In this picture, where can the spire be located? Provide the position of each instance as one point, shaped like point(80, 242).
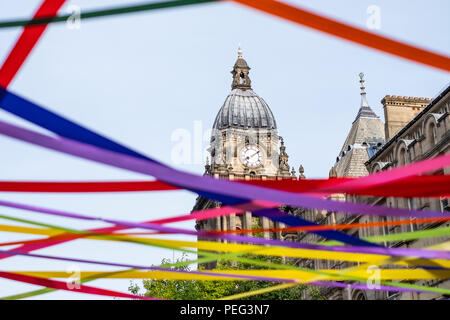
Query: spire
point(364, 110)
point(207, 166)
point(240, 73)
point(364, 102)
point(239, 52)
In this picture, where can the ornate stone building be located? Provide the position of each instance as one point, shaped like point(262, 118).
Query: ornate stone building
point(426, 136)
point(419, 130)
point(244, 145)
point(366, 136)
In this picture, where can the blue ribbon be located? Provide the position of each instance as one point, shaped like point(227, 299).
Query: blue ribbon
point(63, 127)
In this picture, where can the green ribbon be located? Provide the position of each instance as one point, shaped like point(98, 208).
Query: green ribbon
point(103, 13)
point(209, 256)
point(414, 235)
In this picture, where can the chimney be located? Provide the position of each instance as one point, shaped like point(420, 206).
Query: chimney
point(399, 111)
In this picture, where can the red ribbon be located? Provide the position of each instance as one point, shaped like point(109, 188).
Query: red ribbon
point(26, 42)
point(350, 33)
point(63, 286)
point(50, 240)
point(418, 186)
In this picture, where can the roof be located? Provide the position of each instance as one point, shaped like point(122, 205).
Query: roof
point(365, 137)
point(244, 109)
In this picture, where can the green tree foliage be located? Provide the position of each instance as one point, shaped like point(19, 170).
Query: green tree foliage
point(209, 290)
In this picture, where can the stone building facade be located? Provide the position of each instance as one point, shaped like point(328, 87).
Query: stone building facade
point(366, 136)
point(244, 145)
point(399, 111)
point(425, 134)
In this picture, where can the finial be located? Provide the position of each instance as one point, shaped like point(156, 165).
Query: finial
point(207, 166)
point(293, 173)
point(283, 158)
point(239, 52)
point(282, 146)
point(361, 77)
point(364, 102)
point(301, 170)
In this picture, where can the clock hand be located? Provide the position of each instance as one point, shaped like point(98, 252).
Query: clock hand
point(248, 157)
point(254, 154)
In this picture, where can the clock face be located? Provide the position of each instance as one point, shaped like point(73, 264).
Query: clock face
point(251, 156)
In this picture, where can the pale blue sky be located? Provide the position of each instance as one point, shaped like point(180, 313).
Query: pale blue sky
point(139, 77)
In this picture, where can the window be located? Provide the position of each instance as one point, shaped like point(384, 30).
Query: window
point(445, 207)
point(410, 154)
point(412, 206)
point(431, 134)
point(385, 229)
point(413, 226)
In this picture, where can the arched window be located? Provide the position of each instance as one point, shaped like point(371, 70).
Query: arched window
point(431, 134)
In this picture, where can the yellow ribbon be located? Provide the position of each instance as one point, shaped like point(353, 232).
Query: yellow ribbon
point(385, 274)
point(234, 248)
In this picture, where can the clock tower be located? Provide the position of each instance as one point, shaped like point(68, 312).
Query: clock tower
point(244, 145)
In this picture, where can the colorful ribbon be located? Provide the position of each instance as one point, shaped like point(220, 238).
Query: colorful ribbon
point(427, 254)
point(63, 286)
point(418, 186)
point(227, 191)
point(230, 275)
point(282, 10)
point(233, 247)
point(24, 46)
point(269, 265)
point(404, 236)
point(26, 42)
point(104, 13)
point(350, 33)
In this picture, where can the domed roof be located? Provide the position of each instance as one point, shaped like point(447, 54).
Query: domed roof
point(244, 109)
point(241, 63)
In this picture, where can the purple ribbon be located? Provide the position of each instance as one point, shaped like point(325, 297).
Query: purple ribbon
point(243, 277)
point(400, 252)
point(203, 183)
